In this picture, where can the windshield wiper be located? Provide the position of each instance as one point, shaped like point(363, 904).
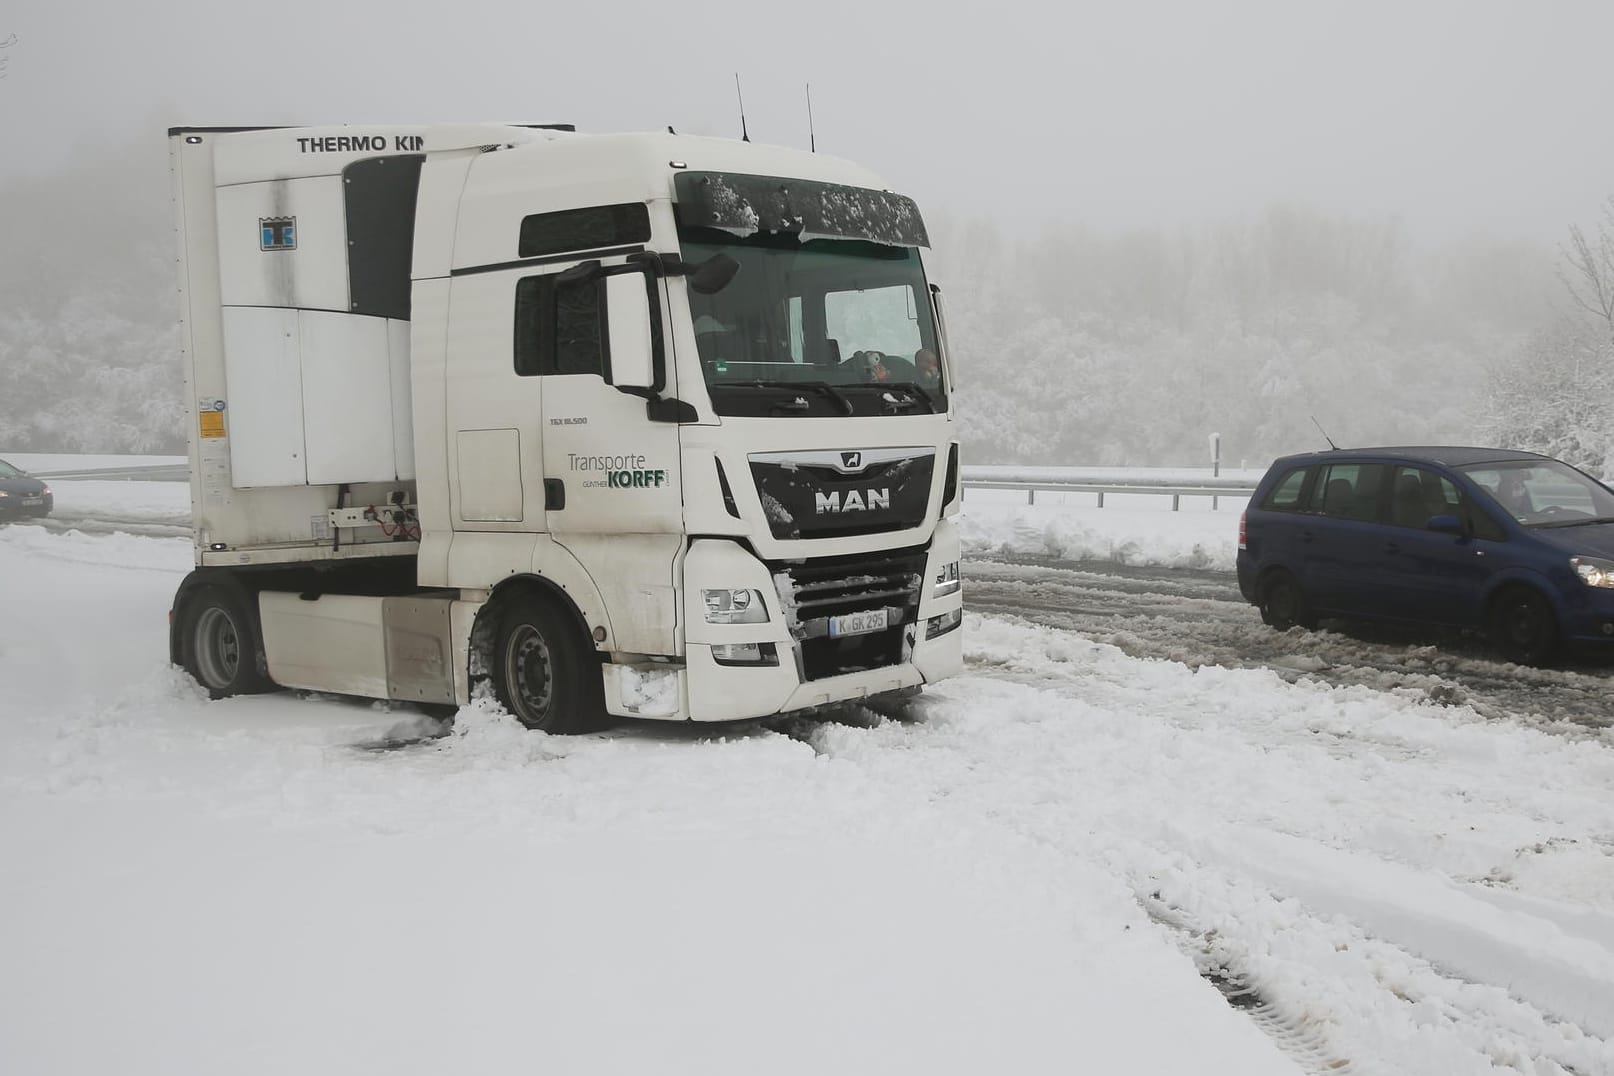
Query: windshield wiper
point(909, 386)
point(823, 388)
point(898, 395)
point(1554, 524)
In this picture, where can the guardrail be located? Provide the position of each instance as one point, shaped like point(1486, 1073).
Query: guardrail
point(1214, 488)
point(155, 472)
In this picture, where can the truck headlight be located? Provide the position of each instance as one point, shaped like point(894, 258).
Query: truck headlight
point(941, 625)
point(1594, 571)
point(947, 580)
point(735, 607)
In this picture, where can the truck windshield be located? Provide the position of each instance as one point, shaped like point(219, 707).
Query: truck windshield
point(822, 327)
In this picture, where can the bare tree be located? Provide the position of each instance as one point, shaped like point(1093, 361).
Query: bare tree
point(1587, 268)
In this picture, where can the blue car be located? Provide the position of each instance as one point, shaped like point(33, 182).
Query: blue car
point(22, 496)
point(1516, 545)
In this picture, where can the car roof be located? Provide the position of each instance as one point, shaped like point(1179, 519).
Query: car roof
point(1448, 455)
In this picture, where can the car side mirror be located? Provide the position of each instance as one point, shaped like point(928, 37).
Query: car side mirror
point(1444, 525)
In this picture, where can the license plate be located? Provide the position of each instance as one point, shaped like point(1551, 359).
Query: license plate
point(857, 623)
point(29, 502)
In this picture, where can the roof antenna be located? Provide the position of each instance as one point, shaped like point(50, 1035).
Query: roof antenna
point(1324, 432)
point(812, 140)
point(745, 136)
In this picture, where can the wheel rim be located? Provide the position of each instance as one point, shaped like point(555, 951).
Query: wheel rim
point(529, 673)
point(218, 647)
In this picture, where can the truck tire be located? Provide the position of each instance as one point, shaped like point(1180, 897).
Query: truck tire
point(221, 647)
point(543, 673)
point(1522, 627)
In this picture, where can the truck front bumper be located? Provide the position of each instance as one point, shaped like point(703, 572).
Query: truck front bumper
point(808, 652)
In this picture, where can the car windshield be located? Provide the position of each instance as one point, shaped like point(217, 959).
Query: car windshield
point(8, 471)
point(821, 327)
point(1544, 493)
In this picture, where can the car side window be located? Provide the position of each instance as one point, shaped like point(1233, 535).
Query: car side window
point(1285, 496)
point(1417, 494)
point(1347, 491)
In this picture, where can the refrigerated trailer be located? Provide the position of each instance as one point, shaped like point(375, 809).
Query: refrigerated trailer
point(631, 424)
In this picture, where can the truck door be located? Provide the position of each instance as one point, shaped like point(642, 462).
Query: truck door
point(608, 469)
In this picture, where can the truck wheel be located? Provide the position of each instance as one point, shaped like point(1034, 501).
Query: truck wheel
point(543, 673)
point(1283, 605)
point(1523, 629)
point(221, 646)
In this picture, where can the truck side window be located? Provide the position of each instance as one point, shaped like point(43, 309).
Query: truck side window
point(559, 330)
point(584, 229)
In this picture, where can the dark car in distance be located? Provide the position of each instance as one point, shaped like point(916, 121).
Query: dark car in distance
point(1516, 545)
point(22, 496)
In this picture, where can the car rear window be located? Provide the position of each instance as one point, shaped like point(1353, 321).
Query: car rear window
point(1285, 496)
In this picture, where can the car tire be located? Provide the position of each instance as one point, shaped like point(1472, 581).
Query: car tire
point(1283, 604)
point(544, 674)
point(1523, 629)
point(222, 649)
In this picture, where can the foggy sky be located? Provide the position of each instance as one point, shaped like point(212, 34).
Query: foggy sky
point(1458, 117)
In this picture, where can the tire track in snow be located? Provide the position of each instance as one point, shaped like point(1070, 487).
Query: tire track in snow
point(1307, 980)
point(1302, 1038)
point(1392, 978)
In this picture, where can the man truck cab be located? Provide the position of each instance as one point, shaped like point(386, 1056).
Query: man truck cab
point(640, 424)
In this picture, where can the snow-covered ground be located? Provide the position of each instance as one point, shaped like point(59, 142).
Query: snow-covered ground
point(1065, 860)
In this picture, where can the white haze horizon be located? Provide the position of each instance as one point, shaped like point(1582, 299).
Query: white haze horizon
point(1452, 119)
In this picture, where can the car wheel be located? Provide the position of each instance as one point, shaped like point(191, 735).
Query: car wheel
point(221, 646)
point(542, 672)
point(1523, 628)
point(1283, 604)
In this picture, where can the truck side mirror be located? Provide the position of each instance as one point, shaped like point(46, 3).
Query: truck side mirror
point(713, 274)
point(627, 311)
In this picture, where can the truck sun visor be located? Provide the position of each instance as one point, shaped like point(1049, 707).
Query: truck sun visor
point(746, 204)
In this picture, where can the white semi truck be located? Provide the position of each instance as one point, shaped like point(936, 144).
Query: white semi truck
point(639, 425)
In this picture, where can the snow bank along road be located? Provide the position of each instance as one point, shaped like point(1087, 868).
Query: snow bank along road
point(1070, 859)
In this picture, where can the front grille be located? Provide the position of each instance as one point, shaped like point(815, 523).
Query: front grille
point(814, 592)
point(804, 500)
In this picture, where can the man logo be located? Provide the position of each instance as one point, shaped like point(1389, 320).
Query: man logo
point(851, 461)
point(835, 502)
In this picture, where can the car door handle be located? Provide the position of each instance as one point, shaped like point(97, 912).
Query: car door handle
point(1392, 548)
point(1305, 536)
